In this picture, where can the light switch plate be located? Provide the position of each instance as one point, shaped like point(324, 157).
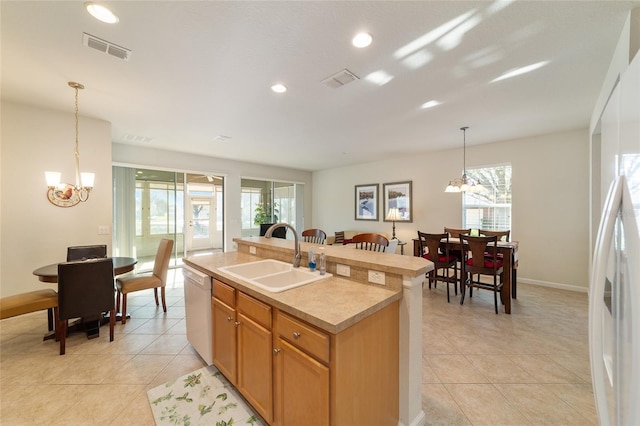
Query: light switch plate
point(103, 230)
point(376, 277)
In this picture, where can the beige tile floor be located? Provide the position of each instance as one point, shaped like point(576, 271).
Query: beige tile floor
point(528, 368)
point(531, 367)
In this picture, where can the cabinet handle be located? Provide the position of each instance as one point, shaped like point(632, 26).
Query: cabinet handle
point(229, 319)
point(237, 323)
point(276, 351)
point(296, 335)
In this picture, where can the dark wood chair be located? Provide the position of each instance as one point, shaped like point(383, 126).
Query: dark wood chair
point(156, 279)
point(455, 233)
point(432, 248)
point(371, 242)
point(86, 252)
point(315, 236)
point(85, 290)
point(476, 263)
point(504, 236)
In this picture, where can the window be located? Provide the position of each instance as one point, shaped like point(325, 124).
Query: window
point(491, 209)
point(251, 198)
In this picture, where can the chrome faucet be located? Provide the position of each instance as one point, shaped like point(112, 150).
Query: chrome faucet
point(296, 255)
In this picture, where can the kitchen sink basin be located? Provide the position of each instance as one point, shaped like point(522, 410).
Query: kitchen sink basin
point(273, 275)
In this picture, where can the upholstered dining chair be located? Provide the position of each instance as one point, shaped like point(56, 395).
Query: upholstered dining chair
point(432, 248)
point(479, 264)
point(156, 279)
point(85, 290)
point(86, 252)
point(315, 236)
point(83, 253)
point(504, 236)
point(371, 242)
point(277, 233)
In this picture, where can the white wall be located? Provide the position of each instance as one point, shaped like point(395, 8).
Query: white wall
point(33, 231)
point(233, 172)
point(550, 200)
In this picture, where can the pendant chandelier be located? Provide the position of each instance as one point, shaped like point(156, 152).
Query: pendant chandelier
point(66, 194)
point(464, 184)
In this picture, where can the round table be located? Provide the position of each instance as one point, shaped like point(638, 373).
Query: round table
point(49, 273)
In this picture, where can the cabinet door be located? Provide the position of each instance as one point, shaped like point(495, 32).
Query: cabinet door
point(301, 388)
point(224, 339)
point(255, 365)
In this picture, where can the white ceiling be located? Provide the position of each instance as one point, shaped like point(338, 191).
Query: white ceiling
point(203, 69)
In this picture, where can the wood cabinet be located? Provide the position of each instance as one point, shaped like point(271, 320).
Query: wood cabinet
point(294, 373)
point(255, 376)
point(224, 330)
point(242, 345)
point(349, 378)
point(301, 381)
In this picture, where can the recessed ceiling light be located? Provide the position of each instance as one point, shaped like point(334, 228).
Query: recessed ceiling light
point(279, 88)
point(101, 13)
point(362, 40)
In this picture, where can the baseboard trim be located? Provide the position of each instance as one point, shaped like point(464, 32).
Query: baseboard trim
point(419, 420)
point(553, 285)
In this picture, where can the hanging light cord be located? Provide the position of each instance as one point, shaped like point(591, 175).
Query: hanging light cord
point(77, 86)
point(464, 152)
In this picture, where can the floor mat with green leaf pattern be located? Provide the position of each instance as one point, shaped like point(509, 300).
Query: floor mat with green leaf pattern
point(203, 397)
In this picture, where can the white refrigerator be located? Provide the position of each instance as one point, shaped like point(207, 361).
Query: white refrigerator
point(614, 293)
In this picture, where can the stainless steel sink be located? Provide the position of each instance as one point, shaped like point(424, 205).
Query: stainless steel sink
point(273, 275)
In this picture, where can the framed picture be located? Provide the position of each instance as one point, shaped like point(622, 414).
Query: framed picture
point(397, 195)
point(366, 202)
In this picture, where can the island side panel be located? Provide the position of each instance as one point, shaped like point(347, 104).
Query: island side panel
point(365, 369)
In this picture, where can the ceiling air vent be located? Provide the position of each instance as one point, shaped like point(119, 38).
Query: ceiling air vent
point(106, 47)
point(340, 78)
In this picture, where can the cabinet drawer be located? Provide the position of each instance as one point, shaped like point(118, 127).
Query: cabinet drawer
point(304, 336)
point(254, 309)
point(224, 293)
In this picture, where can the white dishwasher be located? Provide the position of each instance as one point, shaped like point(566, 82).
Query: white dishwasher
point(197, 304)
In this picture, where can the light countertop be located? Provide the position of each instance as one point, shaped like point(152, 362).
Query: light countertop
point(332, 304)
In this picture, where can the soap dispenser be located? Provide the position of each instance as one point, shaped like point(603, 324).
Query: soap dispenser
point(322, 261)
point(312, 259)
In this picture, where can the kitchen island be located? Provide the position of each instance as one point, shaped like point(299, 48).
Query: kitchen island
point(360, 335)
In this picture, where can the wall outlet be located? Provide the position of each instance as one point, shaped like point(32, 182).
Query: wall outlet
point(343, 270)
point(103, 230)
point(252, 249)
point(376, 277)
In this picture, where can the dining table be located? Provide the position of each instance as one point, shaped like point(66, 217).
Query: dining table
point(49, 274)
point(509, 251)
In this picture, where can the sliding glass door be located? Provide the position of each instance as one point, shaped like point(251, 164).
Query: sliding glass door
point(150, 205)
